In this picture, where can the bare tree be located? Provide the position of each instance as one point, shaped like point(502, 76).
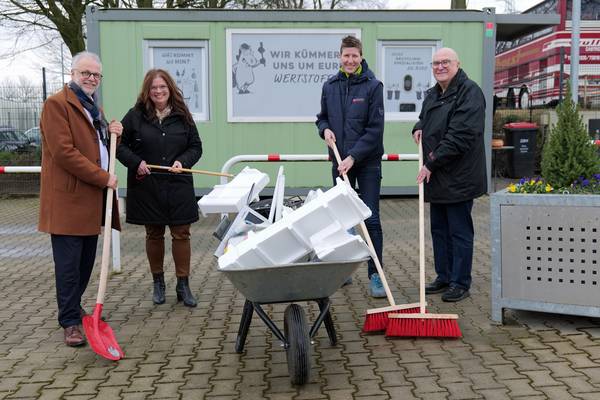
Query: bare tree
point(310, 4)
point(43, 26)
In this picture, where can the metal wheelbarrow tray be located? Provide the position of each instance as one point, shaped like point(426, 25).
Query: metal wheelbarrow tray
point(291, 283)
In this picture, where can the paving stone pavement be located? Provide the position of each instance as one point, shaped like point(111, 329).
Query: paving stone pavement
point(173, 352)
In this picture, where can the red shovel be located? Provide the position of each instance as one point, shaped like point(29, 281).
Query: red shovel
point(100, 336)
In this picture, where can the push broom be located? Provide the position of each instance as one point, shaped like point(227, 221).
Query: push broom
point(376, 318)
point(420, 323)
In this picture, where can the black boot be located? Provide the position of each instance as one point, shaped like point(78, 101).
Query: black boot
point(184, 293)
point(159, 288)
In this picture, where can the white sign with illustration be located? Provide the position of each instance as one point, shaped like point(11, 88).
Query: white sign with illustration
point(278, 74)
point(186, 62)
point(406, 74)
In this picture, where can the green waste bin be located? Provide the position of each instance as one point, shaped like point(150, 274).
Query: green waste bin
point(521, 159)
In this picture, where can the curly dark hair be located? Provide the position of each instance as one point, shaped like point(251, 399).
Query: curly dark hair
point(175, 101)
point(351, 41)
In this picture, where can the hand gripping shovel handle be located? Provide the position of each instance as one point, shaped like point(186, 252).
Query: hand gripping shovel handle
point(365, 233)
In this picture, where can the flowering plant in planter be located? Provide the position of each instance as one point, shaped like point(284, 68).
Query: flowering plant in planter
point(584, 186)
point(531, 185)
point(570, 163)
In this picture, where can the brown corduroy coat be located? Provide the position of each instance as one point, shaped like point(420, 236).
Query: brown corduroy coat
point(72, 180)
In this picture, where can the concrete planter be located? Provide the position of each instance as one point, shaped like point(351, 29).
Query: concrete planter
point(545, 253)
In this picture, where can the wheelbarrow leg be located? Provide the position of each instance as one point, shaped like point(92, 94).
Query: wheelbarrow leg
point(325, 317)
point(244, 326)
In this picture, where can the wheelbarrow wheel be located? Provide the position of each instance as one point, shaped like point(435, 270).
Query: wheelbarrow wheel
point(298, 349)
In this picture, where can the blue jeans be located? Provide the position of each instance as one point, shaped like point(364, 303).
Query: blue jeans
point(73, 262)
point(368, 178)
point(452, 234)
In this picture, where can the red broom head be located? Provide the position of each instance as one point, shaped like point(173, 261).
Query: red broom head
point(376, 322)
point(423, 327)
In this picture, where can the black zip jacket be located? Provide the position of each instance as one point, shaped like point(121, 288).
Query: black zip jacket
point(453, 143)
point(352, 107)
point(160, 198)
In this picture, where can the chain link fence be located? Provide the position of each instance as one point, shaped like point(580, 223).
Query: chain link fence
point(20, 141)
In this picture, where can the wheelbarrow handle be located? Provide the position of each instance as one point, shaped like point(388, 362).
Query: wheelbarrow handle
point(365, 233)
point(193, 171)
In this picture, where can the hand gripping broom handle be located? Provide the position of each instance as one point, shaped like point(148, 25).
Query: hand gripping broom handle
point(365, 232)
point(421, 238)
point(107, 224)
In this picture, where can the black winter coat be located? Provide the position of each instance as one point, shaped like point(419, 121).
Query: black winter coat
point(159, 198)
point(353, 109)
point(453, 144)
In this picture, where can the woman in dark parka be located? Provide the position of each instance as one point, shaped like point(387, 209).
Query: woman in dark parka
point(160, 129)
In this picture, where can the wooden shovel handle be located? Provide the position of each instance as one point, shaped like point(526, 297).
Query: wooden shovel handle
point(107, 224)
point(193, 171)
point(365, 233)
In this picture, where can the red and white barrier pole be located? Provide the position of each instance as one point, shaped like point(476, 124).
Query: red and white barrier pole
point(275, 157)
point(20, 170)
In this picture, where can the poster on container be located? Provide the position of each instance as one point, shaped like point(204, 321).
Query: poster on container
point(276, 75)
point(186, 62)
point(405, 69)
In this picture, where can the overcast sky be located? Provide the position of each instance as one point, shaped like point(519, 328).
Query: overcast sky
point(29, 65)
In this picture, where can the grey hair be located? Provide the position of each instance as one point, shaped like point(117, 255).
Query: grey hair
point(85, 54)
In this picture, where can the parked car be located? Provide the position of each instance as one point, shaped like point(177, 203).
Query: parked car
point(13, 141)
point(33, 136)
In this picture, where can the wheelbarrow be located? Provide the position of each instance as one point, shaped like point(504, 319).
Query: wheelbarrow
point(290, 283)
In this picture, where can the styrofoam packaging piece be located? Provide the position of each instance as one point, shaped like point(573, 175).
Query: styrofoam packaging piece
point(223, 199)
point(277, 244)
point(336, 244)
point(339, 204)
point(288, 239)
point(346, 248)
point(234, 195)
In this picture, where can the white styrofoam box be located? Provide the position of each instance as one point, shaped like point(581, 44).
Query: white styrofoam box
point(336, 244)
point(234, 195)
point(339, 204)
point(223, 199)
point(289, 239)
point(280, 246)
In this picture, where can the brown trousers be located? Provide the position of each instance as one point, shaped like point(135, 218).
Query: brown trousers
point(155, 248)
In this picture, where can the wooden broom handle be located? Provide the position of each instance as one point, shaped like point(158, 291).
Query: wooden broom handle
point(107, 224)
point(365, 232)
point(421, 237)
point(193, 171)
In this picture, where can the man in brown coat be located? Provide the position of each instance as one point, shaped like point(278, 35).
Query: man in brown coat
point(75, 138)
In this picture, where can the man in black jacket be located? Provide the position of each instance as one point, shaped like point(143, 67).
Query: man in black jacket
point(450, 129)
point(351, 118)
